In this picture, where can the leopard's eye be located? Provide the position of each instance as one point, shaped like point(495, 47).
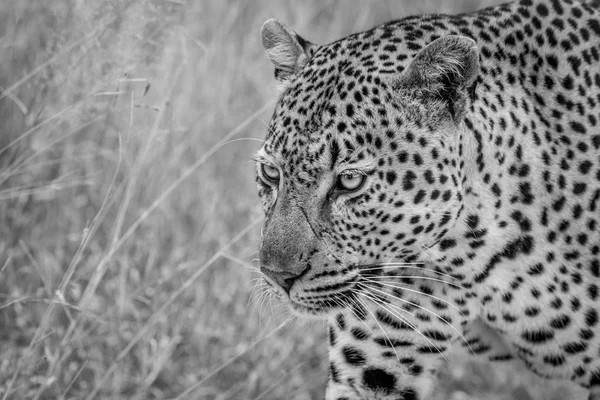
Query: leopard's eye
point(269, 172)
point(350, 181)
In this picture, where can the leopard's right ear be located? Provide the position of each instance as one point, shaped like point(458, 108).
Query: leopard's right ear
point(287, 51)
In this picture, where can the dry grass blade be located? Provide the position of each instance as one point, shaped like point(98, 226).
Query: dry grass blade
point(8, 91)
point(42, 124)
point(52, 301)
point(277, 382)
point(229, 362)
point(95, 281)
point(27, 158)
point(155, 316)
point(74, 379)
point(12, 380)
point(5, 265)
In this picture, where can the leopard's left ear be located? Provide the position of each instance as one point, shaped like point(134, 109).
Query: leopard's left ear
point(287, 51)
point(445, 71)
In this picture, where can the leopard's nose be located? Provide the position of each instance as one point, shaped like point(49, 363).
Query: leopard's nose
point(283, 279)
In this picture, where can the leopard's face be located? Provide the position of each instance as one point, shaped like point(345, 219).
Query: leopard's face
point(357, 171)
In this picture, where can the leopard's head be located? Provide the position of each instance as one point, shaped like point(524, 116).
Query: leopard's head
point(362, 160)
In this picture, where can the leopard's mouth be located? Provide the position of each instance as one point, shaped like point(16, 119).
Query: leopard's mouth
point(317, 296)
point(323, 305)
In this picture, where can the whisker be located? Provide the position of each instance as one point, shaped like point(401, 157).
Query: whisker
point(377, 322)
point(415, 291)
point(427, 310)
point(260, 302)
point(271, 307)
point(394, 265)
point(254, 280)
point(427, 278)
point(414, 328)
point(355, 301)
point(427, 247)
point(259, 287)
point(261, 293)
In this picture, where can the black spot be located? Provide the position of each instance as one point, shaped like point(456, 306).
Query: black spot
point(436, 335)
point(560, 322)
point(524, 244)
point(586, 334)
point(390, 177)
point(574, 347)
point(537, 336)
point(532, 311)
point(402, 156)
point(407, 181)
point(536, 269)
point(556, 303)
point(594, 25)
point(593, 292)
point(334, 374)
point(554, 359)
point(578, 127)
point(542, 10)
point(349, 110)
point(378, 379)
point(354, 356)
point(591, 317)
point(526, 196)
point(415, 370)
point(411, 394)
point(447, 244)
point(420, 196)
point(496, 190)
point(332, 337)
point(359, 334)
point(552, 61)
point(341, 322)
point(391, 321)
point(595, 267)
point(523, 221)
point(430, 349)
point(389, 342)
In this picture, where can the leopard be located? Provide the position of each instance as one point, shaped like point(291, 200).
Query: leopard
point(434, 174)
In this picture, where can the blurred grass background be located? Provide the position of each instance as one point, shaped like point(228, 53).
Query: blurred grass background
point(128, 215)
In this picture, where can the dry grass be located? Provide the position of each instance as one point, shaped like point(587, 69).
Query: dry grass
point(128, 218)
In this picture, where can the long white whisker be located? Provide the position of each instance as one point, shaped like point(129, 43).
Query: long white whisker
point(377, 322)
point(414, 291)
point(259, 298)
point(355, 301)
point(427, 278)
point(424, 309)
point(414, 328)
point(271, 307)
point(262, 303)
point(392, 265)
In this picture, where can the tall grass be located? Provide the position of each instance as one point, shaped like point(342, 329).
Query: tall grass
point(128, 219)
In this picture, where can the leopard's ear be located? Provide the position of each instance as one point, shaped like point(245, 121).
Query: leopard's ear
point(445, 71)
point(287, 51)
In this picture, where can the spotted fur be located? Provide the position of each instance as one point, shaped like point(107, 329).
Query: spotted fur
point(434, 172)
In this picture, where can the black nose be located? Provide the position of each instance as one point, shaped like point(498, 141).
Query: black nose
point(284, 279)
